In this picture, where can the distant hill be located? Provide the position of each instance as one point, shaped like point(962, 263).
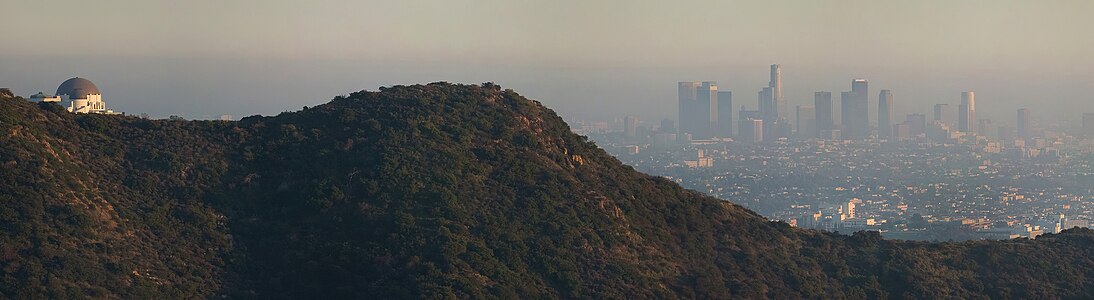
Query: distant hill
point(438, 190)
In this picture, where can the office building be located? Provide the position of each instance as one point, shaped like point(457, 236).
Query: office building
point(1023, 124)
point(884, 114)
point(698, 108)
point(901, 131)
point(749, 126)
point(806, 122)
point(822, 102)
point(966, 112)
point(725, 114)
point(943, 113)
point(776, 85)
point(630, 127)
point(769, 111)
point(860, 94)
point(688, 106)
point(917, 124)
point(846, 108)
point(707, 113)
point(855, 111)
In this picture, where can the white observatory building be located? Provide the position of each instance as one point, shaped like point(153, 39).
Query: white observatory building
point(80, 96)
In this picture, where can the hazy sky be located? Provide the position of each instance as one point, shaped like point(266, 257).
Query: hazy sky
point(586, 59)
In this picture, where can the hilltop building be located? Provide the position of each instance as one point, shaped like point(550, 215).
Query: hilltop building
point(43, 97)
point(78, 95)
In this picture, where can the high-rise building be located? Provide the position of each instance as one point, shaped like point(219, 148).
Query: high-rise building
point(917, 124)
point(943, 114)
point(668, 126)
point(822, 102)
point(1088, 124)
point(860, 94)
point(688, 107)
point(749, 126)
point(806, 122)
point(885, 114)
point(848, 210)
point(630, 126)
point(986, 128)
point(966, 112)
point(707, 110)
point(776, 85)
point(1023, 125)
point(698, 108)
point(766, 102)
point(855, 111)
point(725, 114)
point(769, 111)
point(901, 131)
point(847, 114)
point(755, 130)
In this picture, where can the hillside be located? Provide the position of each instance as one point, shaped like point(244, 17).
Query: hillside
point(438, 190)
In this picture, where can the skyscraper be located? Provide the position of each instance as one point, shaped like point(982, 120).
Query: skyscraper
point(630, 126)
point(943, 114)
point(776, 85)
point(688, 106)
point(756, 130)
point(769, 111)
point(1023, 123)
point(806, 122)
point(917, 124)
point(698, 108)
point(725, 114)
point(966, 112)
point(885, 114)
point(860, 94)
point(855, 111)
point(766, 102)
point(822, 102)
point(749, 126)
point(847, 114)
point(707, 110)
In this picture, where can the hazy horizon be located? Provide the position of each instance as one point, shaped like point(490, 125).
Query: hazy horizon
point(585, 60)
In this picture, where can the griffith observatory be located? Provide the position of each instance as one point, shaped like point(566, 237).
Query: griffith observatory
point(77, 95)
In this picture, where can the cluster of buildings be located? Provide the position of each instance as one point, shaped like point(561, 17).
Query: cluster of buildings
point(707, 113)
point(944, 175)
point(842, 218)
point(905, 189)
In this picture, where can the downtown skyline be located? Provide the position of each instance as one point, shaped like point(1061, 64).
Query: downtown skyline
point(703, 114)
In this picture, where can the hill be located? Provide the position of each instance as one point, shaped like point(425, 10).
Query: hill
point(438, 190)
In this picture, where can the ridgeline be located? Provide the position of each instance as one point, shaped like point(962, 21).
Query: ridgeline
point(438, 190)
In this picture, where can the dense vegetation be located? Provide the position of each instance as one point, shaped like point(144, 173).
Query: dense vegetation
point(435, 190)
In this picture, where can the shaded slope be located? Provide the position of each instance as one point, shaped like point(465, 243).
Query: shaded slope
point(100, 206)
point(431, 190)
